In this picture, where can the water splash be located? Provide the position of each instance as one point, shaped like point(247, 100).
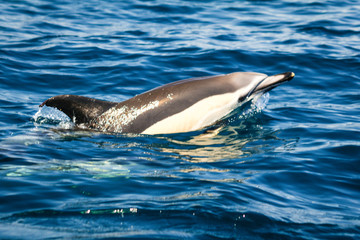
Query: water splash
point(50, 115)
point(257, 104)
point(261, 101)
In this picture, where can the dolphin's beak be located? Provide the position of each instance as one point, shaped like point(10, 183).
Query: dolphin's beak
point(273, 81)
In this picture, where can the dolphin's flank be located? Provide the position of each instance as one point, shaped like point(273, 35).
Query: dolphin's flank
point(179, 106)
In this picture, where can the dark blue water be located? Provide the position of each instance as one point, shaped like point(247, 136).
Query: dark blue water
point(288, 171)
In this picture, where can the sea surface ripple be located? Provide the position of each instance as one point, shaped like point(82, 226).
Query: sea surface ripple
point(289, 170)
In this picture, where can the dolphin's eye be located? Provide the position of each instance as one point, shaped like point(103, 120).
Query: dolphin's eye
point(242, 98)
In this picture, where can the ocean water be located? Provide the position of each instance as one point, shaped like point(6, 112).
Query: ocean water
point(285, 167)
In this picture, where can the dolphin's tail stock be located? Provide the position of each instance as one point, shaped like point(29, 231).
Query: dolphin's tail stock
point(79, 109)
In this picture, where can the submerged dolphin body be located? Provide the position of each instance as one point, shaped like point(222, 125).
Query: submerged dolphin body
point(180, 106)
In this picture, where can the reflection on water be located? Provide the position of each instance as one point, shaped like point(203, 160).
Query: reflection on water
point(207, 147)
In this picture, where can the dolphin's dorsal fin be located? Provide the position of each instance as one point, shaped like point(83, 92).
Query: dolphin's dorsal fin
point(78, 108)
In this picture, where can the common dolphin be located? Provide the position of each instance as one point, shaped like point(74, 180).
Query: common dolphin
point(180, 106)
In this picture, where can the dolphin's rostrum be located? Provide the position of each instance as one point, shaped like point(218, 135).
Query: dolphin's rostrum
point(179, 106)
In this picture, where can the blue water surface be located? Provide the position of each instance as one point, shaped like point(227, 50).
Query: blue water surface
point(290, 170)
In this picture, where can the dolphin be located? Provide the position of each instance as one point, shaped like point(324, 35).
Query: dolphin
point(180, 106)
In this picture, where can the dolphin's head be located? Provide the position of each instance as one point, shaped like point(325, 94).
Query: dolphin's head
point(273, 81)
point(250, 84)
